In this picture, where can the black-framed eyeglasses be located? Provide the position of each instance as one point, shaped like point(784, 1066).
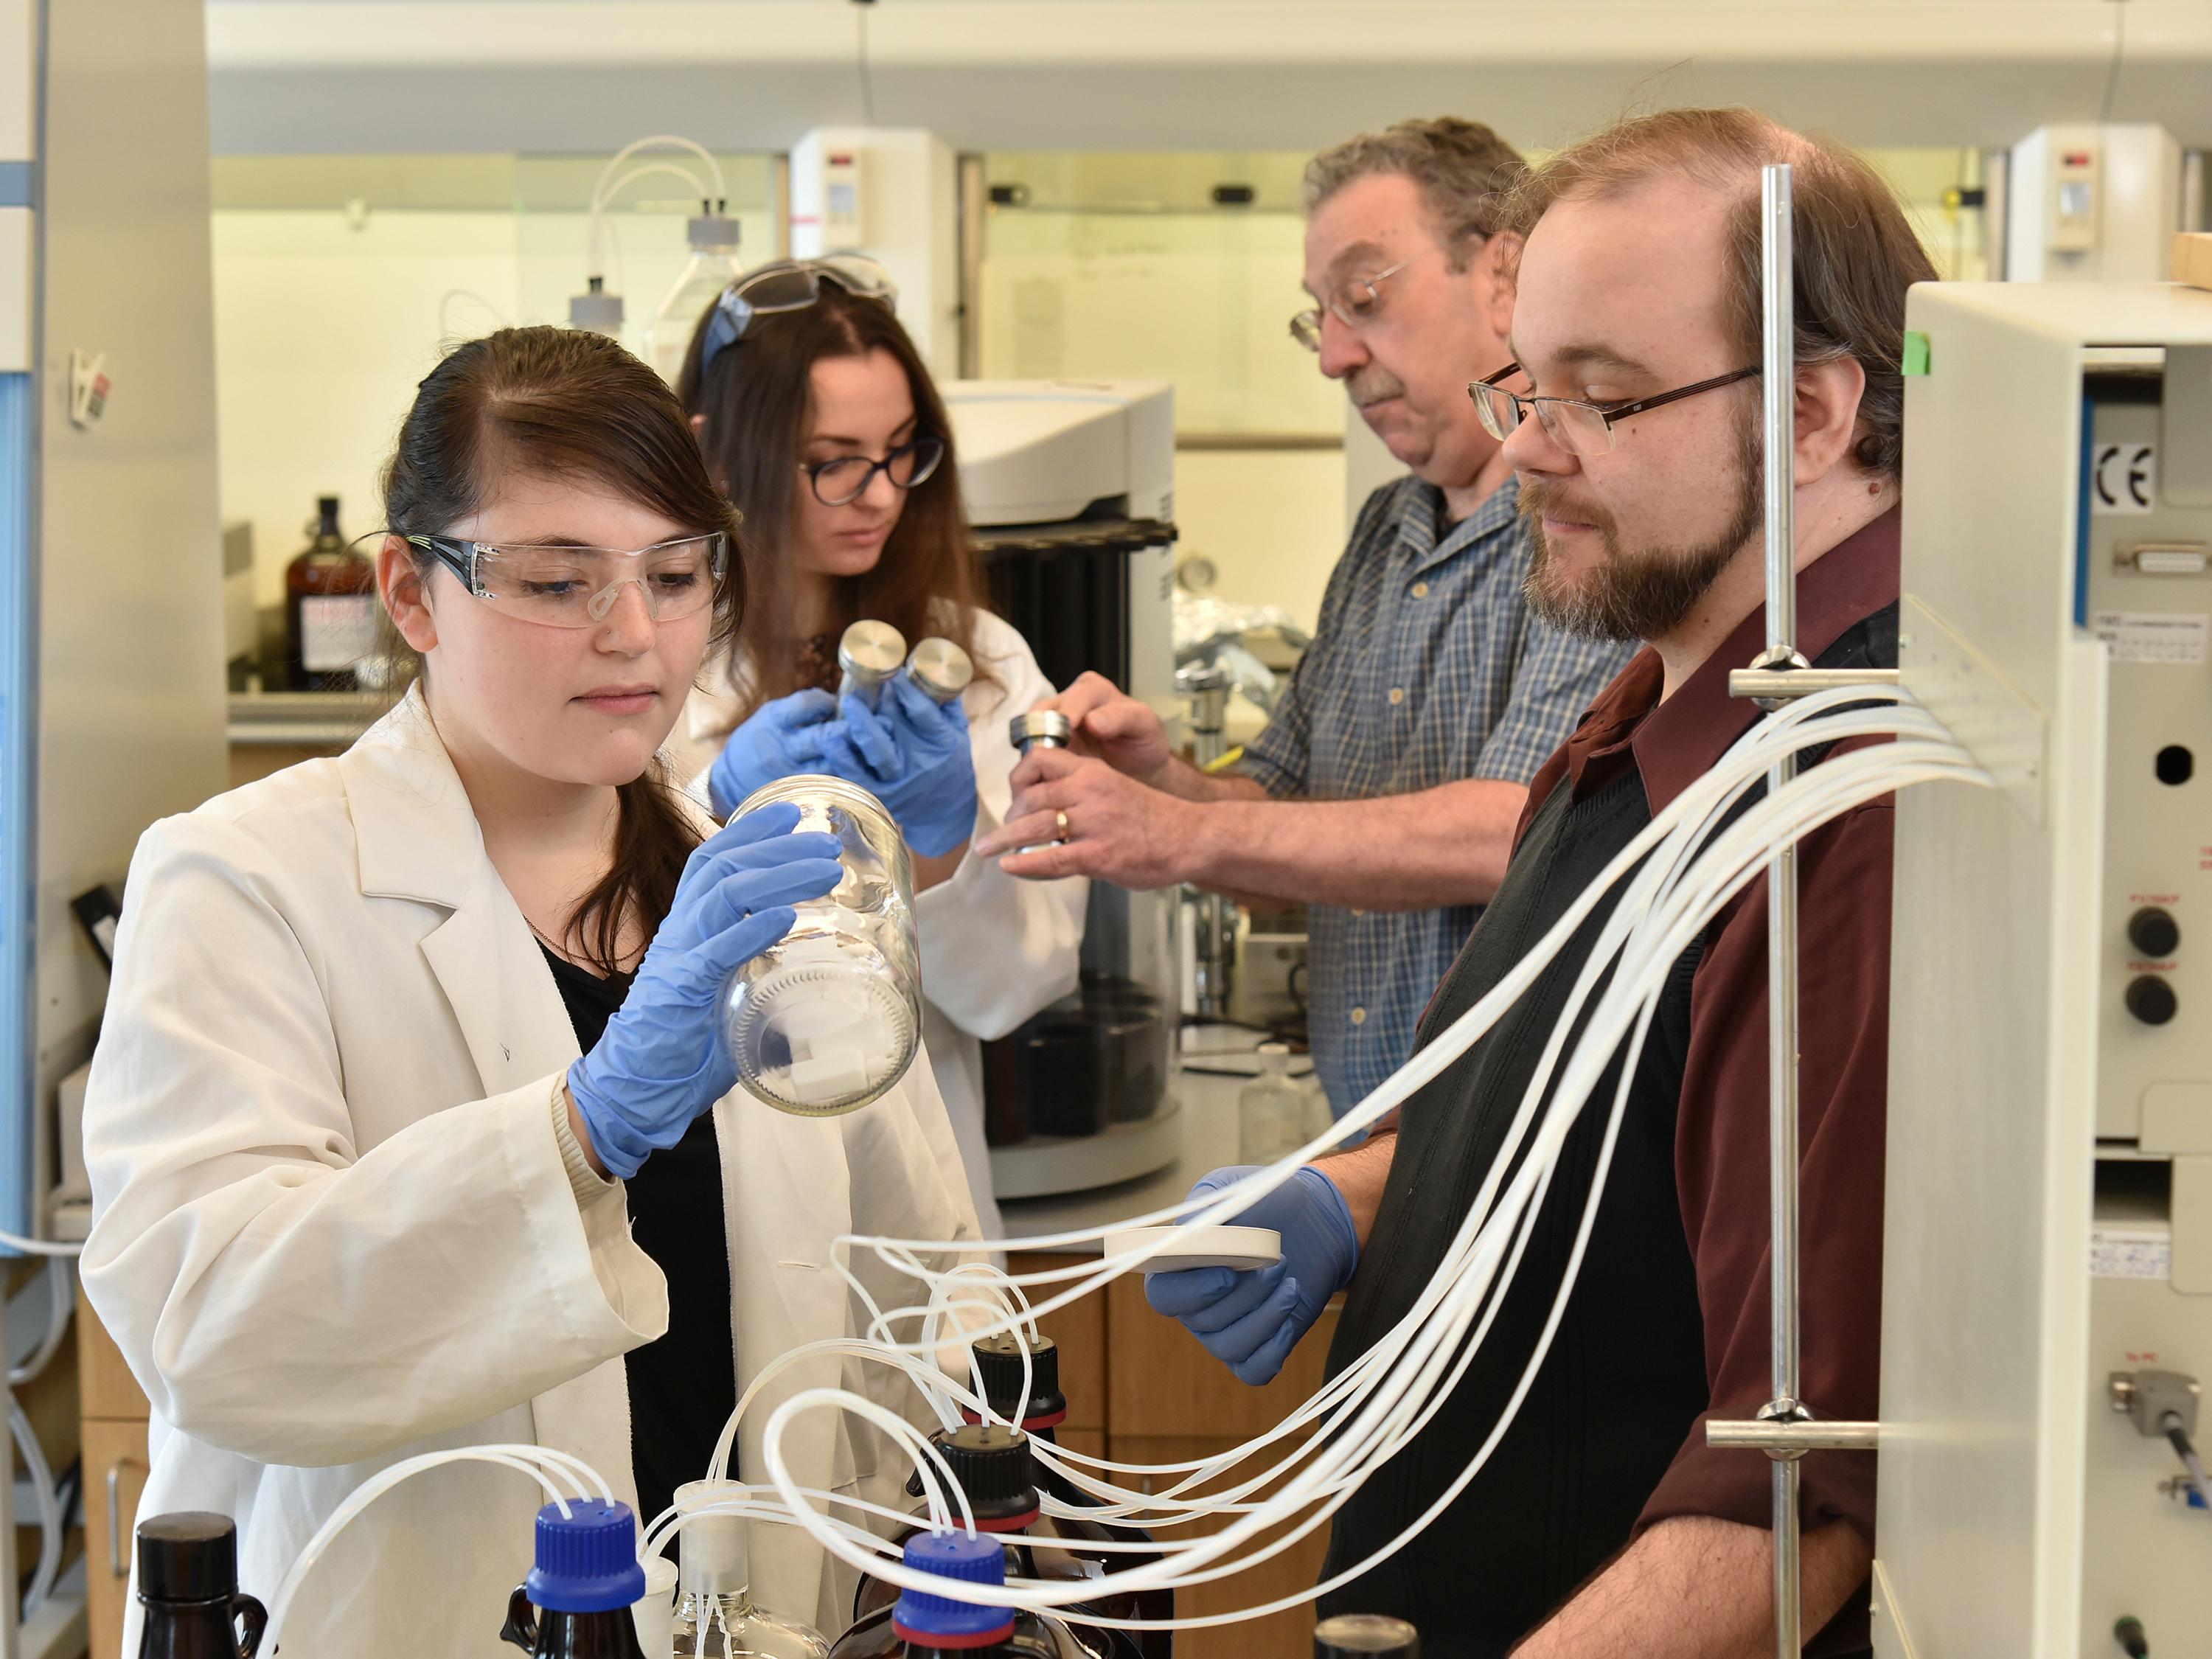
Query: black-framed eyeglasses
point(1355, 302)
point(846, 478)
point(559, 585)
point(1577, 427)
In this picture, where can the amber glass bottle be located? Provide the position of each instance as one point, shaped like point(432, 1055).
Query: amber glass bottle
point(919, 1625)
point(188, 1585)
point(331, 607)
point(576, 1602)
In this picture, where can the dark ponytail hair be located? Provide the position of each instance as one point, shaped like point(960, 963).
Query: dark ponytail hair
point(567, 404)
point(756, 400)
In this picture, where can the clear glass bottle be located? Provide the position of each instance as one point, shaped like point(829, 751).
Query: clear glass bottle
point(188, 1586)
point(829, 1018)
point(712, 268)
point(922, 1625)
point(577, 1601)
point(331, 606)
point(1271, 1109)
point(715, 1614)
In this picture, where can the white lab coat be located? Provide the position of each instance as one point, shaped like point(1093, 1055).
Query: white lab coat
point(994, 950)
point(333, 1228)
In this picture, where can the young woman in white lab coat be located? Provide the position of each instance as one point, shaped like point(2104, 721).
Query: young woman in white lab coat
point(821, 423)
point(384, 1029)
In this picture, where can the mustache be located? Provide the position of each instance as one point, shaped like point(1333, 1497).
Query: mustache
point(1543, 498)
point(1372, 384)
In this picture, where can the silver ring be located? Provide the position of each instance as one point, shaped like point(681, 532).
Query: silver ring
point(1059, 820)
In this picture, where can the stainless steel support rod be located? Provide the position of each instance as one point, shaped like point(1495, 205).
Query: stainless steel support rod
point(1779, 685)
point(1784, 1438)
point(1779, 310)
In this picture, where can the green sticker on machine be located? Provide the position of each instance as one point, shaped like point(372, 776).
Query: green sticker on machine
point(1916, 353)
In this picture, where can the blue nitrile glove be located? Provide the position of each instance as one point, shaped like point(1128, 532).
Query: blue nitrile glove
point(661, 1062)
point(778, 739)
point(1251, 1320)
point(912, 754)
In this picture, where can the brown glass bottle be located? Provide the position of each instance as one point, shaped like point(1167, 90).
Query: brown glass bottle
point(576, 1602)
point(994, 1464)
point(941, 1626)
point(188, 1585)
point(999, 1364)
point(331, 607)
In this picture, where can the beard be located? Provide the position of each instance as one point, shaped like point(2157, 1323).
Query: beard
point(1643, 593)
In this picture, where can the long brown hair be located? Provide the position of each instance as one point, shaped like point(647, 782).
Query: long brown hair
point(757, 401)
point(1854, 256)
point(567, 404)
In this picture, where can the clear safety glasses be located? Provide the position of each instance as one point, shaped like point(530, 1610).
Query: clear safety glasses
point(559, 585)
point(1577, 427)
point(848, 478)
point(1355, 302)
point(789, 285)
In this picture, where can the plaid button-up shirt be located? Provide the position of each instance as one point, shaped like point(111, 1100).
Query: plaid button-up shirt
point(1426, 668)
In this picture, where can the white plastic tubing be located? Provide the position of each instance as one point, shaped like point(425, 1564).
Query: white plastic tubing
point(1678, 872)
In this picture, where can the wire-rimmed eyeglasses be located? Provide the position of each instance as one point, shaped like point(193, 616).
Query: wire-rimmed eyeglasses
point(561, 584)
point(846, 479)
point(1355, 302)
point(1578, 427)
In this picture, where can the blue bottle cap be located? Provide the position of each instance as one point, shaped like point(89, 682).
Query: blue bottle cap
point(586, 1559)
point(942, 1621)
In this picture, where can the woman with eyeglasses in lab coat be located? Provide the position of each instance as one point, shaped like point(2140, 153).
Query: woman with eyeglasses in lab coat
point(410, 1128)
point(821, 423)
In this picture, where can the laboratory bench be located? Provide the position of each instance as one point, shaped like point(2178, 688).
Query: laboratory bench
point(1140, 1389)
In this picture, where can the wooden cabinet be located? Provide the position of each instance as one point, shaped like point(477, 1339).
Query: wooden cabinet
point(1141, 1387)
point(114, 1442)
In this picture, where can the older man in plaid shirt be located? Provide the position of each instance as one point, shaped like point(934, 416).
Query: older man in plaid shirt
point(1383, 794)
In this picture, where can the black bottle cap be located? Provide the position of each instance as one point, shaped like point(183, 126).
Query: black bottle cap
point(191, 1556)
point(1365, 1635)
point(998, 1359)
point(993, 1466)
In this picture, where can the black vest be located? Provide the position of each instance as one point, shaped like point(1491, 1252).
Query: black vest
point(1625, 1378)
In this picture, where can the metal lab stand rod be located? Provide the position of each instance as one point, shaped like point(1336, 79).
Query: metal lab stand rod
point(1784, 1430)
point(1778, 300)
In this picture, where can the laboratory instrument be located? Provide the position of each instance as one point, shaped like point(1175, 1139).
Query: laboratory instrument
point(2048, 1270)
point(576, 1602)
point(1272, 1111)
point(1069, 489)
point(940, 668)
point(713, 266)
point(1173, 1249)
point(1365, 1636)
point(868, 654)
point(600, 309)
point(188, 1586)
point(938, 1621)
point(716, 1615)
point(829, 1018)
point(992, 1464)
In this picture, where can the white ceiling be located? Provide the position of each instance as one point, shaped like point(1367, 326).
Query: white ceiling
point(351, 76)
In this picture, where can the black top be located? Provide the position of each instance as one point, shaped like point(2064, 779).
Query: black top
point(684, 1387)
point(1624, 1378)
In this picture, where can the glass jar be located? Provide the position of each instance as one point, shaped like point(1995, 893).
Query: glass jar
point(829, 1018)
point(1270, 1110)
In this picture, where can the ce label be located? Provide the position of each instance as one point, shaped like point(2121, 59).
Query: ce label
point(2124, 478)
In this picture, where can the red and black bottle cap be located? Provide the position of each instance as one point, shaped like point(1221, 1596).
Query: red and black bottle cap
point(994, 1464)
point(999, 1359)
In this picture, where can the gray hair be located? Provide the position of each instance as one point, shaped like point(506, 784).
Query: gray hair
point(1465, 173)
